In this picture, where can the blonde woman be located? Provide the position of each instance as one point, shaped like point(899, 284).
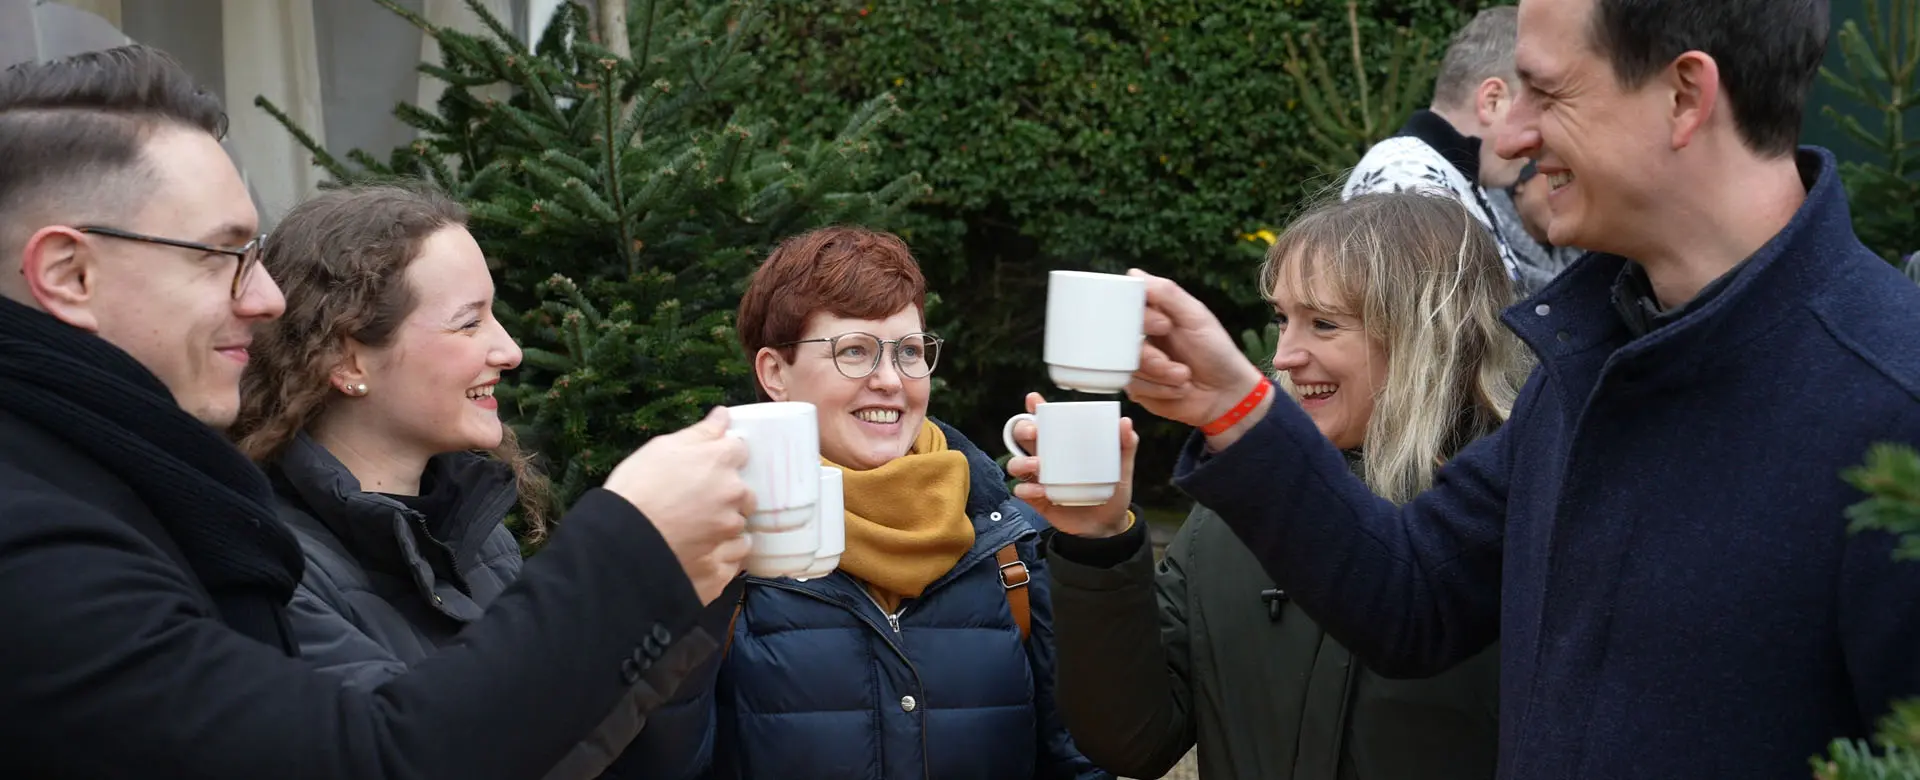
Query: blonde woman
point(1388, 307)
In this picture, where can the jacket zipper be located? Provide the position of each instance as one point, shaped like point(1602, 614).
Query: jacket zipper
point(893, 620)
point(455, 578)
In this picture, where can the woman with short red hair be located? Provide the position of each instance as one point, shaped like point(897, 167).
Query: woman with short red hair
point(929, 652)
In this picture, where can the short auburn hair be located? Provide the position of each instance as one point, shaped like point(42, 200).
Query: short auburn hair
point(840, 271)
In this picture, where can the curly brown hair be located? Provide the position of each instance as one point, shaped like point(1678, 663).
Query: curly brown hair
point(341, 259)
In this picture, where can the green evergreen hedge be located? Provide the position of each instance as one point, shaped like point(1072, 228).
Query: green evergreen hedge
point(1078, 134)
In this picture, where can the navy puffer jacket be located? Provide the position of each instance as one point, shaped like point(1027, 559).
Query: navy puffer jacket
point(820, 684)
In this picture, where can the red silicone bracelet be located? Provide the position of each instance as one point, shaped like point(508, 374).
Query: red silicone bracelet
point(1239, 411)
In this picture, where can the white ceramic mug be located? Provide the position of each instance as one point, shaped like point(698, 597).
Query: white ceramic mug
point(1095, 326)
point(783, 470)
point(1079, 450)
point(833, 526)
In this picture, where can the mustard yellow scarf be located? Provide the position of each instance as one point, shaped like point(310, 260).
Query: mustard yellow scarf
point(907, 520)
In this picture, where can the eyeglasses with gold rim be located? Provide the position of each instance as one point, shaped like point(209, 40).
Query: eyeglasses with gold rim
point(857, 355)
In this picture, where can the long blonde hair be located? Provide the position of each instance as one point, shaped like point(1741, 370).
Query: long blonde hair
point(1427, 283)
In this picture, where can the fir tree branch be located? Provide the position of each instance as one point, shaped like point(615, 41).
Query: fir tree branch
point(646, 35)
point(535, 357)
point(492, 23)
point(411, 17)
point(611, 115)
point(321, 157)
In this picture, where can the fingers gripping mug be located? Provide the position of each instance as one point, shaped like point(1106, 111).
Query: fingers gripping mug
point(783, 470)
point(1079, 449)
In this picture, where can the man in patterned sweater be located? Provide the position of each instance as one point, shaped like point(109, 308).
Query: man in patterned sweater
point(1439, 149)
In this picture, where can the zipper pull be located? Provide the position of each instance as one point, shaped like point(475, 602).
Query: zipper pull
point(893, 619)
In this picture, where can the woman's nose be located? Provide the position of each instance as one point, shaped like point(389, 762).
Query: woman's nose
point(506, 353)
point(1290, 354)
point(885, 376)
point(1288, 358)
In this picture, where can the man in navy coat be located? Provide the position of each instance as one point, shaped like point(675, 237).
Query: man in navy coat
point(1657, 537)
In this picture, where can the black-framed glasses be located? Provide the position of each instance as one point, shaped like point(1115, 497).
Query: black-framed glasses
point(248, 254)
point(857, 355)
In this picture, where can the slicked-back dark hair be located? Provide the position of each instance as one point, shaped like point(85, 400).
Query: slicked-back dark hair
point(68, 126)
point(1768, 52)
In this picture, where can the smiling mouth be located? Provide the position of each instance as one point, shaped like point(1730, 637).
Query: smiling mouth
point(1317, 391)
point(479, 393)
point(878, 416)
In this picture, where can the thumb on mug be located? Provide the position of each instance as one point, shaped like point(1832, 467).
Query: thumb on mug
point(714, 425)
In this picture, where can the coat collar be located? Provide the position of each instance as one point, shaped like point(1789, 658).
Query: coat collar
point(1435, 131)
point(998, 518)
point(1576, 313)
point(386, 535)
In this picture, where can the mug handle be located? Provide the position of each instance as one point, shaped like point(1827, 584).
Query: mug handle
point(1006, 433)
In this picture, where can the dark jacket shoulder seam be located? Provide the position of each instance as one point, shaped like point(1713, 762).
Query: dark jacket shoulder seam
point(1860, 351)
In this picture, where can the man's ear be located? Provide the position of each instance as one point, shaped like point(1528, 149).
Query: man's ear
point(771, 371)
point(1490, 102)
point(59, 274)
point(1694, 79)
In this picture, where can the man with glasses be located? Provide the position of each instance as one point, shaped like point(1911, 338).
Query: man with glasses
point(144, 576)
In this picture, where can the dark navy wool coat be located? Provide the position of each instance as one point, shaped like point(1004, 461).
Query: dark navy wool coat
point(1657, 538)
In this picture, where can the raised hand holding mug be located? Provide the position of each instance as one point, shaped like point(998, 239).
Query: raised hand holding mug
point(783, 470)
point(1191, 370)
point(1079, 450)
point(1064, 505)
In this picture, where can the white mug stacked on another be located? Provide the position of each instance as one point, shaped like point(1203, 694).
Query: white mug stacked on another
point(783, 470)
point(833, 526)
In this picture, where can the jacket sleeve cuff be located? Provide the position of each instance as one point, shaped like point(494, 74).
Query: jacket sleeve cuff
point(1104, 553)
point(1278, 444)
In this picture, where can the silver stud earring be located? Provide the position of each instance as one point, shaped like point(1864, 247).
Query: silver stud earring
point(357, 389)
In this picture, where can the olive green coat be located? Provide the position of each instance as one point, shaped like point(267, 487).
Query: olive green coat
point(1154, 660)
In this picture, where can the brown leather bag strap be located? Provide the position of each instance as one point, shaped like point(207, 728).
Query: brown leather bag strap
point(727, 647)
point(1014, 576)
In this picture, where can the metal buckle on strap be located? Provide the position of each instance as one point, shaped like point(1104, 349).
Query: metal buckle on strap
point(1025, 575)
